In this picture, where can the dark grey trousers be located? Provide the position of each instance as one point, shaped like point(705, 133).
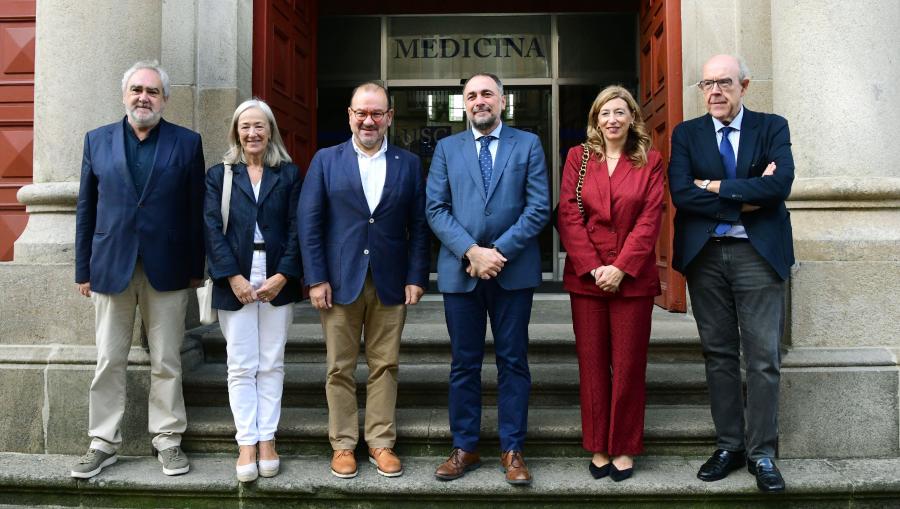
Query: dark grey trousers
point(738, 302)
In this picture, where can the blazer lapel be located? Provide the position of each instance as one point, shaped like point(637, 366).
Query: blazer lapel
point(599, 173)
point(350, 167)
point(504, 149)
point(242, 180)
point(708, 147)
point(392, 174)
point(120, 162)
point(270, 179)
point(164, 146)
point(747, 146)
point(467, 140)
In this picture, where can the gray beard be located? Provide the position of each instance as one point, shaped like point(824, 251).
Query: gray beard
point(144, 122)
point(484, 124)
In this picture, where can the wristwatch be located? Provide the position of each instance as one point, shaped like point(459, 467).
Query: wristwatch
point(704, 184)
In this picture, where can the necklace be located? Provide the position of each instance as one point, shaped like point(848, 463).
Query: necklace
point(613, 157)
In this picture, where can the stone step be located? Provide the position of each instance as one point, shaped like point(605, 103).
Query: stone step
point(553, 384)
point(43, 480)
point(552, 432)
point(673, 336)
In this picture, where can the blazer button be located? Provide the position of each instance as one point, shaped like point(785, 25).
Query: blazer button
point(365, 251)
point(371, 220)
point(590, 228)
point(487, 212)
point(612, 253)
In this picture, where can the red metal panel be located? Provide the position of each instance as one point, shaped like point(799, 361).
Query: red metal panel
point(661, 102)
point(17, 19)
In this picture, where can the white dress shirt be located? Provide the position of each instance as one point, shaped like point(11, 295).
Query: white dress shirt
point(492, 147)
point(737, 229)
point(372, 172)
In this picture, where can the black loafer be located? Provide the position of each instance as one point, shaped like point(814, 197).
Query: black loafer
point(720, 464)
point(768, 478)
point(598, 472)
point(619, 475)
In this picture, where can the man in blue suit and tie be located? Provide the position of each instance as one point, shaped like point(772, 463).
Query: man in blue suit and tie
point(730, 174)
point(364, 243)
point(487, 200)
point(139, 241)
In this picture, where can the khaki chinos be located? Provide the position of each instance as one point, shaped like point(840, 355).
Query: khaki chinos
point(163, 315)
point(343, 327)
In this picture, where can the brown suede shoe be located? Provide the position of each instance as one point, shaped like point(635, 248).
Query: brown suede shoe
point(343, 464)
point(457, 465)
point(514, 466)
point(386, 461)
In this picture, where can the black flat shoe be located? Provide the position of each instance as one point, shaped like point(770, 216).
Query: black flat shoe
point(619, 475)
point(768, 478)
point(599, 472)
point(720, 464)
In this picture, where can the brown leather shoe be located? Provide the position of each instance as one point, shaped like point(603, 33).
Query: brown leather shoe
point(343, 464)
point(457, 465)
point(386, 461)
point(514, 466)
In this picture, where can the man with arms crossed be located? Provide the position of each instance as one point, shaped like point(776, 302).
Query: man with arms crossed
point(730, 173)
point(488, 199)
point(364, 243)
point(139, 242)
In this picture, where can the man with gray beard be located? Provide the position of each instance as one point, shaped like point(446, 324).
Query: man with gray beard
point(139, 242)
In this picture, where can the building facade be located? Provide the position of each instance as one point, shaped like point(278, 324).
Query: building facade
point(828, 66)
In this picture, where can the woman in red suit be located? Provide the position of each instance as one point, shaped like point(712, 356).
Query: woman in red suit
point(608, 225)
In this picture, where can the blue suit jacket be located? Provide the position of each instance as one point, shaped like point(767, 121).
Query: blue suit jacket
point(232, 253)
point(695, 155)
point(113, 225)
point(510, 216)
point(340, 240)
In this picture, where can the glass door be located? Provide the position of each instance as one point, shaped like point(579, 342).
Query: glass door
point(424, 115)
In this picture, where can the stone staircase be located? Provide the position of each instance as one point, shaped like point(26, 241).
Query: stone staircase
point(678, 436)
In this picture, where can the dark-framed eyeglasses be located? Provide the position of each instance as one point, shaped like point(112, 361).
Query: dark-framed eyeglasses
point(361, 115)
point(707, 85)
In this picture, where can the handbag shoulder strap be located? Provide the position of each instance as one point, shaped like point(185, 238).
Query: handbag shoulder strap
point(585, 154)
point(226, 196)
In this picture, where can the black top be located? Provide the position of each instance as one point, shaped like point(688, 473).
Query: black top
point(140, 155)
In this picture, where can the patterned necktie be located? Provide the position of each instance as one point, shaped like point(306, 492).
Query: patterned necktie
point(728, 160)
point(484, 160)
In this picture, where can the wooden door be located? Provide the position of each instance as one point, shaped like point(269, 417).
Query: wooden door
point(284, 70)
point(16, 115)
point(661, 98)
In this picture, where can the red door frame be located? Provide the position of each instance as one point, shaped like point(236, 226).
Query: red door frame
point(17, 34)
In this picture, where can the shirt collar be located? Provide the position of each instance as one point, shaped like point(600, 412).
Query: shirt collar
point(735, 124)
point(495, 133)
point(360, 153)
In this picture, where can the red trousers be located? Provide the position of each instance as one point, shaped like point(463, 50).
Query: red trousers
point(611, 337)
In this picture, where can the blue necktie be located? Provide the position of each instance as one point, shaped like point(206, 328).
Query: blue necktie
point(484, 160)
point(728, 160)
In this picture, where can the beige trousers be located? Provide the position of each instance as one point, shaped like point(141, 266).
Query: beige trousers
point(343, 325)
point(163, 316)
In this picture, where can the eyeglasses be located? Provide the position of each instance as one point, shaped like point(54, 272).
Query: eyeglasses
point(707, 85)
point(361, 115)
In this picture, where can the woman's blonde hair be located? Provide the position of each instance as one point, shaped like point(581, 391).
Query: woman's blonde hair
point(638, 142)
point(276, 152)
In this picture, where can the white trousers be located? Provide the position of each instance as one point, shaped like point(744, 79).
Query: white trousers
point(255, 336)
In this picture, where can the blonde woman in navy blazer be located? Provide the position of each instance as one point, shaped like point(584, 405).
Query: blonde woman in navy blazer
point(611, 275)
point(256, 269)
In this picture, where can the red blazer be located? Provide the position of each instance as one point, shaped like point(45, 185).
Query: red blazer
point(623, 212)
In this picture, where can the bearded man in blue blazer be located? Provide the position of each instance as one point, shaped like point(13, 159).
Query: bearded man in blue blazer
point(364, 243)
point(139, 241)
point(488, 199)
point(730, 174)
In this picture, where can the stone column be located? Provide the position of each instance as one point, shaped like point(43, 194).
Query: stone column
point(837, 81)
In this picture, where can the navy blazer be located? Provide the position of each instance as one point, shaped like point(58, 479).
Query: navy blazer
point(340, 239)
point(510, 216)
point(695, 155)
point(164, 226)
point(232, 253)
